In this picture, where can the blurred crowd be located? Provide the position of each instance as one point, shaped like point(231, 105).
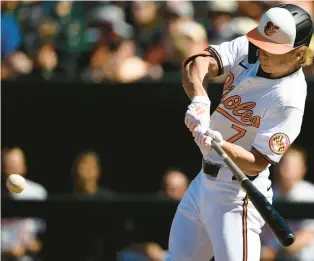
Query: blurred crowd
point(118, 41)
point(21, 236)
point(124, 41)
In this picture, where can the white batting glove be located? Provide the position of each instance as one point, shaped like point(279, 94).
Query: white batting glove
point(215, 135)
point(198, 113)
point(204, 141)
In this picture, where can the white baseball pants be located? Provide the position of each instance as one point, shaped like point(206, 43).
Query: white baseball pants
point(215, 218)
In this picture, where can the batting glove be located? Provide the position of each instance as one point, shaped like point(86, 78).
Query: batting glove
point(204, 141)
point(215, 135)
point(198, 114)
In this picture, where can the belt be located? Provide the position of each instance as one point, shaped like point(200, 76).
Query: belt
point(212, 170)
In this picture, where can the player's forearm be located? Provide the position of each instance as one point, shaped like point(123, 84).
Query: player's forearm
point(244, 159)
point(196, 75)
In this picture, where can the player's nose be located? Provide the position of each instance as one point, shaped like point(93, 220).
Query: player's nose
point(263, 54)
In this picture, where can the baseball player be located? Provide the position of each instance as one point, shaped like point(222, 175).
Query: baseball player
point(259, 116)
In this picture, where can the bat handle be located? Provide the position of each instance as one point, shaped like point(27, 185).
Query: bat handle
point(272, 218)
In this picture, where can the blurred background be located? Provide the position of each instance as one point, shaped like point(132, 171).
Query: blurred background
point(92, 117)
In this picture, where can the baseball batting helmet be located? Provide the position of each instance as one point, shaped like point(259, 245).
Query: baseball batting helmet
point(282, 29)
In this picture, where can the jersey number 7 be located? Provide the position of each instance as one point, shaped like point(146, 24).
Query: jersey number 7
point(240, 134)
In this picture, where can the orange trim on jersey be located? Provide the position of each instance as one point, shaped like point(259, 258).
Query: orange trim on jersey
point(263, 155)
point(244, 226)
point(217, 58)
point(227, 115)
point(190, 58)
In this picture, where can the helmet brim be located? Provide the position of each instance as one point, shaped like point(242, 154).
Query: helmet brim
point(267, 45)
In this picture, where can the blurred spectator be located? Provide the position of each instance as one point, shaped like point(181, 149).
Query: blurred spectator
point(11, 34)
point(114, 57)
point(71, 38)
point(33, 17)
point(176, 12)
point(220, 16)
point(148, 27)
point(239, 26)
point(13, 61)
point(20, 239)
point(179, 9)
point(174, 184)
point(20, 236)
point(46, 61)
point(185, 39)
point(290, 186)
point(164, 53)
point(255, 9)
point(86, 173)
point(14, 162)
point(118, 41)
point(148, 251)
point(55, 30)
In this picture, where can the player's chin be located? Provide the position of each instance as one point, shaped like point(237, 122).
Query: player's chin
point(267, 69)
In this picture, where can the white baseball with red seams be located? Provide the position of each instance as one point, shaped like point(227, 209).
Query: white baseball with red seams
point(15, 183)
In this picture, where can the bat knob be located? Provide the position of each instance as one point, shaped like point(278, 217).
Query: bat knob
point(288, 241)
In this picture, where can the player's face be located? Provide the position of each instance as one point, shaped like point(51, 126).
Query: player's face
point(276, 63)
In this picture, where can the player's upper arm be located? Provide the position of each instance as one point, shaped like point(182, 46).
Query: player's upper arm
point(260, 163)
point(280, 126)
point(228, 53)
point(222, 57)
point(202, 61)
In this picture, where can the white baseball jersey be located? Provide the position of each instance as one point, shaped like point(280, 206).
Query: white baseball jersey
point(256, 112)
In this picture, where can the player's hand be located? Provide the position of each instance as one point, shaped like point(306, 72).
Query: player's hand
point(215, 135)
point(198, 114)
point(204, 140)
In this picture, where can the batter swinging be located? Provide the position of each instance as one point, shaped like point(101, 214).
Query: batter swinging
point(259, 116)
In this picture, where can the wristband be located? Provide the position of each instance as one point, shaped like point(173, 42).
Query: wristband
point(201, 99)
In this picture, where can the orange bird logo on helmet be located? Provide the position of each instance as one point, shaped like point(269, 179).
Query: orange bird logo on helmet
point(270, 29)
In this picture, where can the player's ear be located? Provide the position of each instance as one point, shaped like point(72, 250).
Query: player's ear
point(299, 54)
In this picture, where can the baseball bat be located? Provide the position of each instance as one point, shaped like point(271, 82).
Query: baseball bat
point(272, 218)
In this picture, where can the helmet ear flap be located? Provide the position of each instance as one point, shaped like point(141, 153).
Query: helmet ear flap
point(253, 53)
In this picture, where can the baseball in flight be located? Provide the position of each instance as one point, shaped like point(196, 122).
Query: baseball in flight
point(15, 183)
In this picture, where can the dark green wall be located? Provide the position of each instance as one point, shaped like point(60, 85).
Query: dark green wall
point(137, 129)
